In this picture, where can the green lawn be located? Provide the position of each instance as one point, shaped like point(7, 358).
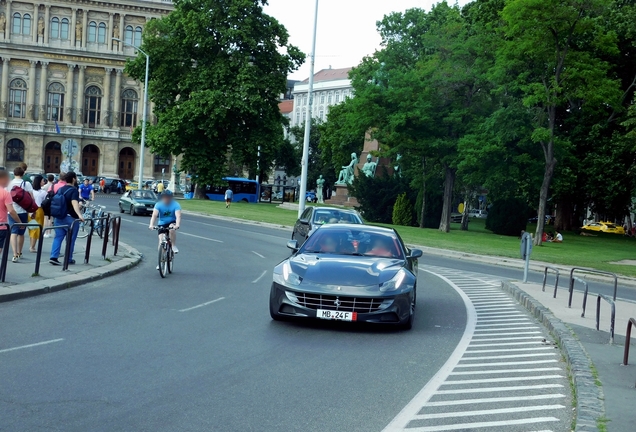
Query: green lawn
point(596, 252)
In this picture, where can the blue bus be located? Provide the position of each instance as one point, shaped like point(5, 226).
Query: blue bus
point(244, 190)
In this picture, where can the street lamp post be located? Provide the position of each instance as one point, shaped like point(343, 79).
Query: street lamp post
point(145, 112)
point(305, 160)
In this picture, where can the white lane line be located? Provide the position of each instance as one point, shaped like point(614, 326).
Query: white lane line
point(506, 379)
point(499, 389)
point(200, 237)
point(508, 334)
point(507, 356)
point(506, 329)
point(260, 277)
point(470, 365)
point(497, 325)
point(202, 304)
point(503, 371)
point(488, 412)
point(281, 237)
point(495, 400)
point(510, 320)
point(499, 313)
point(502, 344)
point(31, 345)
point(507, 338)
point(510, 349)
point(471, 426)
point(404, 417)
point(257, 254)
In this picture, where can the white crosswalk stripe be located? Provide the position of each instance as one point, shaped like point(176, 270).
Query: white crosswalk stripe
point(508, 378)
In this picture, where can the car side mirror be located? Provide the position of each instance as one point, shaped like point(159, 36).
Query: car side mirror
point(293, 245)
point(415, 253)
point(304, 221)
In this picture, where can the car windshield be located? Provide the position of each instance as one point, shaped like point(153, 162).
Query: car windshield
point(610, 226)
point(348, 241)
point(144, 195)
point(322, 217)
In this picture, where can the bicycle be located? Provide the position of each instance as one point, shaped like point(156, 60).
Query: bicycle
point(165, 257)
point(95, 213)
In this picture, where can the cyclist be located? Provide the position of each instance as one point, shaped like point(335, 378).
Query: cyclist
point(168, 211)
point(87, 192)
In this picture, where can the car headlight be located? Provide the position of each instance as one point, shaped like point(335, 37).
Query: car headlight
point(289, 276)
point(395, 283)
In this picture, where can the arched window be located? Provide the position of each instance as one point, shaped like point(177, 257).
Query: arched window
point(137, 37)
point(17, 23)
point(55, 28)
point(128, 35)
point(92, 31)
point(101, 33)
point(55, 105)
point(15, 150)
point(17, 98)
point(129, 103)
point(93, 106)
point(64, 29)
point(322, 97)
point(26, 24)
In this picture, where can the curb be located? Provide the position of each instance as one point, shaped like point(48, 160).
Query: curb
point(131, 257)
point(589, 397)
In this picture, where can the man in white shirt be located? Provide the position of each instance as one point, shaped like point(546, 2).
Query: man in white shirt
point(17, 233)
point(558, 238)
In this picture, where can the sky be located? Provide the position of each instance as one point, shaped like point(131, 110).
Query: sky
point(346, 28)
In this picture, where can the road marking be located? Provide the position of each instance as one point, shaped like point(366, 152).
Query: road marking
point(202, 238)
point(257, 254)
point(499, 314)
point(31, 345)
point(502, 344)
point(501, 371)
point(260, 277)
point(507, 363)
point(507, 328)
point(499, 389)
point(469, 426)
point(281, 237)
point(509, 338)
point(495, 400)
point(496, 325)
point(511, 349)
point(508, 334)
point(488, 412)
point(498, 380)
point(505, 356)
point(202, 304)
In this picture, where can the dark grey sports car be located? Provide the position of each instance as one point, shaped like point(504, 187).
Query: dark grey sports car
point(347, 272)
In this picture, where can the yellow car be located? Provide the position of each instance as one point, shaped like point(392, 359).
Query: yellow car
point(132, 186)
point(605, 227)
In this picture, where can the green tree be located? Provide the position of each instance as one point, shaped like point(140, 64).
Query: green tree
point(318, 164)
point(216, 72)
point(402, 211)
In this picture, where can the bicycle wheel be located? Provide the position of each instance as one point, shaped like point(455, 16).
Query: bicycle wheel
point(162, 261)
point(170, 258)
point(84, 229)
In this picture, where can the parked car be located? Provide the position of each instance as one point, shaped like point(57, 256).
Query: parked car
point(479, 214)
point(313, 217)
point(113, 185)
point(456, 217)
point(374, 272)
point(605, 227)
point(138, 202)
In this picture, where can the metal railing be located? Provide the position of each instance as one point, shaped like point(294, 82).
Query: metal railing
point(5, 251)
point(38, 256)
point(628, 336)
point(89, 239)
point(105, 236)
point(116, 221)
point(595, 272)
point(572, 292)
point(612, 317)
point(556, 281)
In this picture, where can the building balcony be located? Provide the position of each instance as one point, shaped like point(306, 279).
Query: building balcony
point(78, 131)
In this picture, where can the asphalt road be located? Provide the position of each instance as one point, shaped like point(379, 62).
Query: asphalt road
point(198, 351)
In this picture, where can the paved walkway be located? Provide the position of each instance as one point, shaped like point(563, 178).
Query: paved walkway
point(618, 381)
point(21, 280)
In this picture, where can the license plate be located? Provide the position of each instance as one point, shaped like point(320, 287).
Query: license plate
point(336, 315)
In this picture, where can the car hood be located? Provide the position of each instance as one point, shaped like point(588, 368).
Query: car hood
point(344, 270)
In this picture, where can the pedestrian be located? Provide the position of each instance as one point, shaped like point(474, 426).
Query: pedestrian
point(228, 197)
point(87, 193)
point(17, 233)
point(102, 183)
point(160, 187)
point(39, 193)
point(65, 210)
point(26, 177)
point(558, 238)
point(60, 183)
point(49, 188)
point(6, 207)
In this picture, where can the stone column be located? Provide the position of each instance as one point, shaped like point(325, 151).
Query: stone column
point(122, 31)
point(4, 91)
point(34, 22)
point(68, 97)
point(43, 91)
point(81, 80)
point(47, 23)
point(9, 25)
point(117, 101)
point(105, 118)
point(31, 92)
point(109, 31)
point(72, 29)
point(84, 27)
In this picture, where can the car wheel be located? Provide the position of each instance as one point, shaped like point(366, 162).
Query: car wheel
point(408, 324)
point(132, 210)
point(121, 209)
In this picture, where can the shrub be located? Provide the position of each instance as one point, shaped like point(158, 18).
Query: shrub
point(508, 217)
point(402, 211)
point(377, 195)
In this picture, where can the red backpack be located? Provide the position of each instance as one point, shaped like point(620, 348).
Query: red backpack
point(23, 198)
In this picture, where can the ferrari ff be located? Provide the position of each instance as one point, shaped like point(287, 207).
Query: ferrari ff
point(347, 272)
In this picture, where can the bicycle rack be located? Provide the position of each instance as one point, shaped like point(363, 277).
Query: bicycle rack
point(628, 340)
point(38, 256)
point(595, 272)
point(105, 237)
point(5, 251)
point(584, 295)
point(545, 278)
point(116, 220)
point(612, 318)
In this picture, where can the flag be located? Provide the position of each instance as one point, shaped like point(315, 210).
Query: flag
point(57, 127)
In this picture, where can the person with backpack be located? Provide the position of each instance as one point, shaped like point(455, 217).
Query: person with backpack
point(22, 195)
point(39, 194)
point(64, 209)
point(6, 207)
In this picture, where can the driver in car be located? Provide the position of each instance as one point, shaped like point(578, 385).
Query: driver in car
point(381, 247)
point(328, 244)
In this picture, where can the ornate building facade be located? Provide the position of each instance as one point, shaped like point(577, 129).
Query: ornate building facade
point(62, 78)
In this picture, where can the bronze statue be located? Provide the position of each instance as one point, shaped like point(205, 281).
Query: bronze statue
point(369, 167)
point(346, 173)
point(319, 185)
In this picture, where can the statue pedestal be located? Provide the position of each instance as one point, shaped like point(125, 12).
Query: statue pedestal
point(341, 197)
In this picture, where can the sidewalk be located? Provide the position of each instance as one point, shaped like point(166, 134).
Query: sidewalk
point(22, 282)
point(615, 382)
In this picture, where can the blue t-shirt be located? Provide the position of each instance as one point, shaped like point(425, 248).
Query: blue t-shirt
point(167, 212)
point(85, 190)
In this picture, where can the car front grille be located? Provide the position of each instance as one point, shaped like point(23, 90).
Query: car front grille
point(339, 303)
